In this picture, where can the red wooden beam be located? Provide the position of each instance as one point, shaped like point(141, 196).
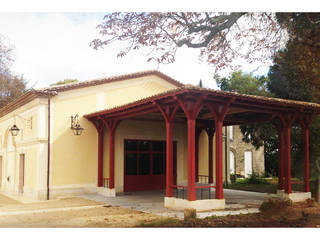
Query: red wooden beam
point(168, 113)
point(111, 124)
point(281, 156)
point(210, 133)
point(100, 129)
point(287, 121)
point(219, 113)
point(198, 132)
point(305, 122)
point(191, 108)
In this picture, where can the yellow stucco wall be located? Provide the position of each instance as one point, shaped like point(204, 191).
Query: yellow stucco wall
point(31, 120)
point(143, 130)
point(74, 158)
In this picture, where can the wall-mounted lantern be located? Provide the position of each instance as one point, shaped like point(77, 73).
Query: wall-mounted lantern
point(75, 126)
point(15, 130)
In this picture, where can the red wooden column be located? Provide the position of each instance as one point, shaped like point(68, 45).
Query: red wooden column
point(191, 107)
point(305, 122)
point(111, 124)
point(168, 112)
point(219, 112)
point(100, 129)
point(198, 132)
point(287, 120)
point(100, 157)
point(210, 132)
point(281, 156)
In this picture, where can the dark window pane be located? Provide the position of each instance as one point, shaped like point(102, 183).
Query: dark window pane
point(144, 164)
point(157, 146)
point(131, 163)
point(157, 163)
point(131, 145)
point(144, 146)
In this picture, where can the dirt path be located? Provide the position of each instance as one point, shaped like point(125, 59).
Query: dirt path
point(7, 201)
point(68, 212)
point(93, 217)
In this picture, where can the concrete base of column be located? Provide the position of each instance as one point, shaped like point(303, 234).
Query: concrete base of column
point(199, 205)
point(295, 196)
point(107, 192)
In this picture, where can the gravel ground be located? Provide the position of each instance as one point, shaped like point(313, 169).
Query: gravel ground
point(68, 212)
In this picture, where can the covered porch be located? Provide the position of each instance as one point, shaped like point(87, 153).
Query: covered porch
point(209, 110)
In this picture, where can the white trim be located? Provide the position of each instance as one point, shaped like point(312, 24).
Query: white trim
point(295, 196)
point(199, 205)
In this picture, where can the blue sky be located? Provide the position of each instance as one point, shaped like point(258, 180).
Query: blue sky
point(50, 47)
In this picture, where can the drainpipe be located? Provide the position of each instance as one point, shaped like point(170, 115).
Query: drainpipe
point(48, 167)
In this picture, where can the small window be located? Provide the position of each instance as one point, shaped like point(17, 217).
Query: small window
point(144, 146)
point(131, 164)
point(158, 163)
point(144, 164)
point(231, 132)
point(131, 145)
point(157, 146)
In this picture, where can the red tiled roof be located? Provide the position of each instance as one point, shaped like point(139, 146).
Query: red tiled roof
point(52, 91)
point(65, 87)
point(218, 93)
point(24, 99)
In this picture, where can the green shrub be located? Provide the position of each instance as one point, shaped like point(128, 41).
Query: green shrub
point(253, 179)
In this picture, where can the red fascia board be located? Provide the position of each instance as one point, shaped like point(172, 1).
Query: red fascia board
point(269, 104)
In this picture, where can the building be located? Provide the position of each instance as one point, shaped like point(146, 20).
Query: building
point(245, 159)
point(141, 131)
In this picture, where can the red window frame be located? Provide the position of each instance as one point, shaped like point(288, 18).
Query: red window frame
point(151, 176)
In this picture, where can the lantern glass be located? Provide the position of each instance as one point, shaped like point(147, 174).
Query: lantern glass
point(77, 130)
point(14, 130)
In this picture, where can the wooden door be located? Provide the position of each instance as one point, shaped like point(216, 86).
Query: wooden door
point(21, 173)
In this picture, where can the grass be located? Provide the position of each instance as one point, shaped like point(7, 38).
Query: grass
point(254, 184)
point(263, 188)
point(268, 185)
point(160, 223)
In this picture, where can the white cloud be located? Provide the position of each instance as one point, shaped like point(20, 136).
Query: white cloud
point(51, 47)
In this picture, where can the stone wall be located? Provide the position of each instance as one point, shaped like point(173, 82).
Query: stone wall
point(238, 147)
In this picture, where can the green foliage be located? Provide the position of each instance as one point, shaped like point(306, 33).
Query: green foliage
point(252, 179)
point(11, 86)
point(65, 81)
point(258, 134)
point(244, 83)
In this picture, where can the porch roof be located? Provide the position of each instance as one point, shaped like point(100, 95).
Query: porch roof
point(242, 108)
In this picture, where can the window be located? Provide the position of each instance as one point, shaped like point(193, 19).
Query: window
point(232, 163)
point(145, 157)
point(231, 132)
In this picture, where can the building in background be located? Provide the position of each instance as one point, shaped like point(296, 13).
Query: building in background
point(245, 159)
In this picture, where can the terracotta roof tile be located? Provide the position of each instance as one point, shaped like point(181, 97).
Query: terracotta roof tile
point(261, 99)
point(70, 86)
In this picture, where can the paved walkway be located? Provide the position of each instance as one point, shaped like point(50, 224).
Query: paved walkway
point(237, 202)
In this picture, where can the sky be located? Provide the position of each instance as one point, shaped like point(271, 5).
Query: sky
point(50, 47)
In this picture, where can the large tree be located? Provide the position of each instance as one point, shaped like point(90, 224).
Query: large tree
point(11, 86)
point(259, 134)
point(220, 37)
